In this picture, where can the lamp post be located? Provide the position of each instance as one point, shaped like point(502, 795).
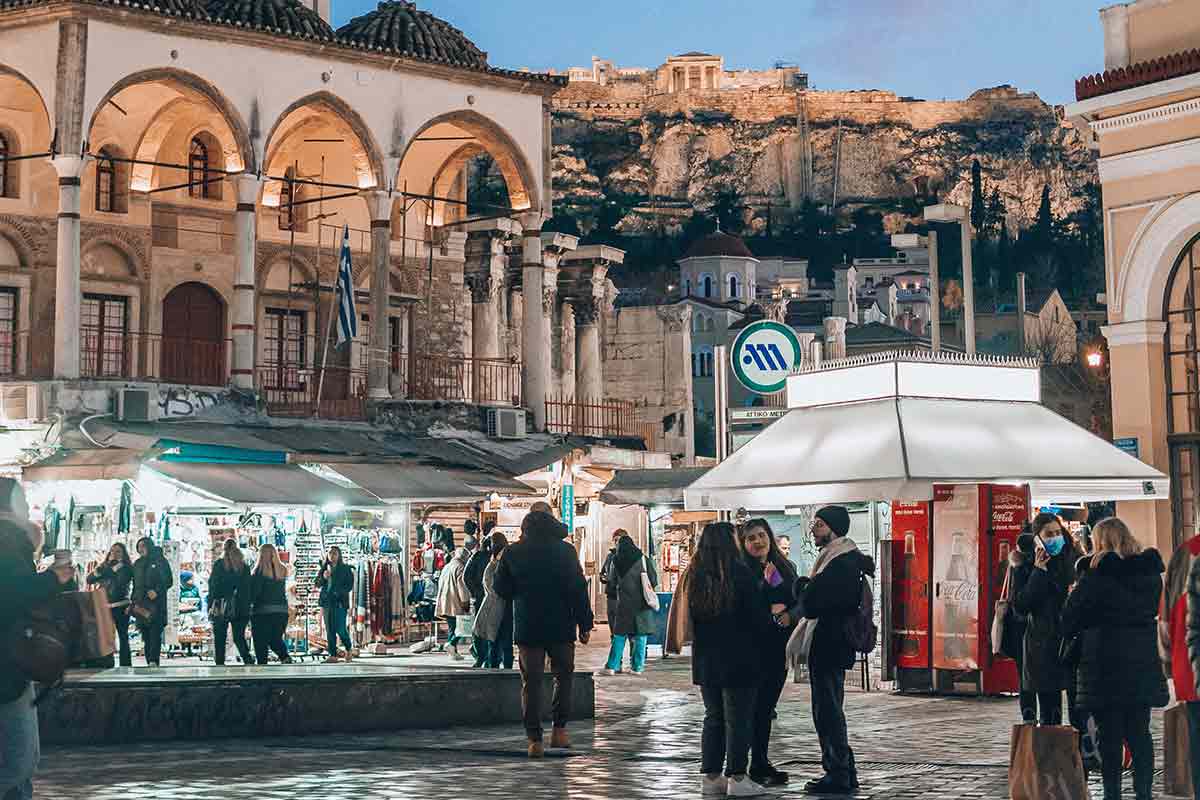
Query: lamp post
point(947, 212)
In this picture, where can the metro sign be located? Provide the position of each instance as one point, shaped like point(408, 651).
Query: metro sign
point(763, 355)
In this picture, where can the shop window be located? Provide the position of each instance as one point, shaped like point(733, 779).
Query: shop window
point(104, 336)
point(8, 331)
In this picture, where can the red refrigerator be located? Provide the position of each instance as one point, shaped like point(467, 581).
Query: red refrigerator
point(949, 558)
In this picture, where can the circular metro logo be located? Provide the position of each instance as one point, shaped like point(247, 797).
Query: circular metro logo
point(763, 356)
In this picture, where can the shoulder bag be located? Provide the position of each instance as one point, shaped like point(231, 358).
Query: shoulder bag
point(648, 593)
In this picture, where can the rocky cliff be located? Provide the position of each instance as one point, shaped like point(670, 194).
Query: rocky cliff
point(653, 158)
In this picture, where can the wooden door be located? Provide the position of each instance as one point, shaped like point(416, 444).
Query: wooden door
point(193, 336)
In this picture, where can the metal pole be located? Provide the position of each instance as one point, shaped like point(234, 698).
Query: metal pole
point(721, 402)
point(935, 294)
point(328, 326)
point(968, 287)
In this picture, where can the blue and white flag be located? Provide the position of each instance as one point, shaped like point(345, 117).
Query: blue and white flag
point(347, 317)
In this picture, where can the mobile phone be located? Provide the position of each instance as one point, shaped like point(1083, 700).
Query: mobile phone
point(1037, 543)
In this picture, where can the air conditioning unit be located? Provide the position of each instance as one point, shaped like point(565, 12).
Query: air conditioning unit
point(506, 423)
point(21, 401)
point(137, 405)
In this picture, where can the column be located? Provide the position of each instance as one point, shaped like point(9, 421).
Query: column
point(535, 346)
point(378, 380)
point(67, 299)
point(589, 385)
point(567, 354)
point(245, 223)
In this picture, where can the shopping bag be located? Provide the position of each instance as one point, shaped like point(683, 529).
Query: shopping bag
point(1006, 633)
point(648, 593)
point(1045, 764)
point(1177, 765)
point(679, 619)
point(98, 632)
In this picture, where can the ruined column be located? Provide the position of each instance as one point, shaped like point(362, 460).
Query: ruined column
point(568, 373)
point(244, 295)
point(485, 276)
point(67, 298)
point(535, 345)
point(835, 337)
point(378, 380)
point(589, 382)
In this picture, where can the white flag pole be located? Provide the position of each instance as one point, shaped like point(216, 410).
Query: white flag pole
point(337, 281)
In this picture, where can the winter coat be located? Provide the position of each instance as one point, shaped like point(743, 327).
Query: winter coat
point(227, 584)
point(1039, 595)
point(1173, 621)
point(453, 599)
point(541, 574)
point(727, 650)
point(267, 595)
point(115, 581)
point(832, 597)
point(775, 644)
point(473, 576)
point(21, 589)
point(152, 573)
point(335, 592)
point(1114, 612)
point(495, 613)
point(1193, 618)
point(628, 614)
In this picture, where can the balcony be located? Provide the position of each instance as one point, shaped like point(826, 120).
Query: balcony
point(123, 355)
point(607, 419)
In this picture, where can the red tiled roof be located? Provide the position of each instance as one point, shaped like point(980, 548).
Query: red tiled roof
point(1140, 74)
point(718, 244)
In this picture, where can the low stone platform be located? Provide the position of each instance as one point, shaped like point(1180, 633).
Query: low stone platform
point(191, 703)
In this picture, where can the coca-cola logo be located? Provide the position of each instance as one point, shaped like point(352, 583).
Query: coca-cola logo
point(1005, 516)
point(960, 592)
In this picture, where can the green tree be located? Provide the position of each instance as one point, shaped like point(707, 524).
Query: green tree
point(1043, 226)
point(978, 205)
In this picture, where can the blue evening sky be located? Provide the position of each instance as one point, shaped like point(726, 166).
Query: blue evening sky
point(924, 48)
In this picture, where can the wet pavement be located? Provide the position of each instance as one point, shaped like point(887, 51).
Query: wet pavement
point(643, 744)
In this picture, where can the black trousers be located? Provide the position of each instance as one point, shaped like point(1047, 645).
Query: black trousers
point(121, 620)
point(152, 636)
point(221, 636)
point(728, 730)
point(1194, 745)
point(1116, 727)
point(764, 709)
point(829, 717)
point(268, 630)
point(1050, 707)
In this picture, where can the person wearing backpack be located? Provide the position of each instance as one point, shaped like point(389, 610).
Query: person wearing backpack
point(629, 617)
point(832, 599)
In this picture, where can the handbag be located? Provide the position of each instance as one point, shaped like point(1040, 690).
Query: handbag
point(1007, 635)
point(648, 593)
point(1177, 763)
point(679, 620)
point(1045, 764)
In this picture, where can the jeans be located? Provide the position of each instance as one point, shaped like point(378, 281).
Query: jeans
point(1116, 727)
point(20, 747)
point(220, 637)
point(1194, 745)
point(152, 636)
point(728, 730)
point(764, 708)
point(268, 630)
point(500, 652)
point(335, 626)
point(637, 652)
point(121, 621)
point(829, 718)
point(533, 668)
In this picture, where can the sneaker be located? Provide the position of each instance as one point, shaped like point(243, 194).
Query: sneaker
point(713, 787)
point(454, 654)
point(423, 646)
point(768, 776)
point(559, 739)
point(332, 660)
point(638, 671)
point(744, 787)
point(829, 785)
point(348, 656)
point(537, 750)
point(612, 671)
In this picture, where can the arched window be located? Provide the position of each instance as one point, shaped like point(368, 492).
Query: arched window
point(8, 178)
point(106, 182)
point(733, 286)
point(199, 168)
point(708, 285)
point(687, 292)
point(1182, 316)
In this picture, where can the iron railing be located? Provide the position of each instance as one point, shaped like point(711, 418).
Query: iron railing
point(607, 419)
point(132, 355)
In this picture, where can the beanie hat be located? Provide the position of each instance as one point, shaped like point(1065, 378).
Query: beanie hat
point(837, 518)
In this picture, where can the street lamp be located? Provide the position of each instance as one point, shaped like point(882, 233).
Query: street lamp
point(948, 212)
point(1095, 359)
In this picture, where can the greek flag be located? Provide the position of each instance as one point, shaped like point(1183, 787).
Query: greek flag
point(347, 317)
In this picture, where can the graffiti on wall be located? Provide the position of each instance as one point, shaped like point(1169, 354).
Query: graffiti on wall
point(184, 401)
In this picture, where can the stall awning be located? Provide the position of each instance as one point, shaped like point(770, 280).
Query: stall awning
point(649, 487)
point(86, 465)
point(900, 447)
point(284, 485)
point(400, 483)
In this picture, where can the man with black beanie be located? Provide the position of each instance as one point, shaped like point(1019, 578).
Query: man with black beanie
point(829, 598)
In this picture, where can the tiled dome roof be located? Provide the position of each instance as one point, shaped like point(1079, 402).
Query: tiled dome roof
point(171, 8)
point(398, 26)
point(287, 17)
point(718, 244)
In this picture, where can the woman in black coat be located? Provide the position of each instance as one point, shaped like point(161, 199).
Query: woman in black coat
point(1113, 611)
point(1039, 592)
point(763, 556)
point(731, 618)
point(269, 606)
point(336, 581)
point(229, 602)
point(629, 617)
point(115, 575)
point(151, 580)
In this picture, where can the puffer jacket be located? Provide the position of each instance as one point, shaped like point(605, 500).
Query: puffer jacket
point(21, 589)
point(228, 584)
point(832, 597)
point(335, 592)
point(1173, 621)
point(453, 598)
point(152, 573)
point(1114, 611)
point(115, 581)
point(1039, 595)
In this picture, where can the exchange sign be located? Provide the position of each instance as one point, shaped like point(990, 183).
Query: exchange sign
point(763, 356)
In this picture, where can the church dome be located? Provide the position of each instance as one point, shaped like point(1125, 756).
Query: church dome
point(718, 244)
point(172, 8)
point(287, 17)
point(398, 26)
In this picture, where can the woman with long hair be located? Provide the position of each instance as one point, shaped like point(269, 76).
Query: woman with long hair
point(115, 575)
point(1114, 613)
point(494, 622)
point(229, 602)
point(336, 580)
point(269, 606)
point(730, 618)
point(151, 580)
point(764, 556)
point(629, 617)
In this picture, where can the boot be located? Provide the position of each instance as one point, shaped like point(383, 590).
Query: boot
point(559, 739)
point(537, 749)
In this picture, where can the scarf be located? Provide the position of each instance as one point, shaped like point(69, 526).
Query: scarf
point(800, 643)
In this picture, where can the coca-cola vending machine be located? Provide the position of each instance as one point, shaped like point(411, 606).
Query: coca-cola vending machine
point(949, 559)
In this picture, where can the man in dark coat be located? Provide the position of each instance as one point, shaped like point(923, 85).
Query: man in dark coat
point(832, 596)
point(542, 576)
point(481, 556)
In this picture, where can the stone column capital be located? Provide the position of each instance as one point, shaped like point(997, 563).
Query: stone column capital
point(1141, 332)
point(677, 317)
point(68, 166)
point(379, 204)
point(485, 286)
point(531, 223)
point(587, 310)
point(247, 186)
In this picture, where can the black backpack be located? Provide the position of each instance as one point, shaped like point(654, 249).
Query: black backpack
point(861, 631)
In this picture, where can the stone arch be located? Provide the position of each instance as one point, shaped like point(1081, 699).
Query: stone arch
point(325, 108)
point(189, 82)
point(277, 264)
point(25, 95)
point(1143, 275)
point(102, 252)
point(172, 122)
point(20, 242)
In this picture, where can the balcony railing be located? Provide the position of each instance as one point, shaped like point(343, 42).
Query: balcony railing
point(15, 358)
point(461, 379)
point(151, 356)
point(291, 391)
point(608, 419)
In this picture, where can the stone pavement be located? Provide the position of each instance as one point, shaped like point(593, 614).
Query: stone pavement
point(644, 744)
